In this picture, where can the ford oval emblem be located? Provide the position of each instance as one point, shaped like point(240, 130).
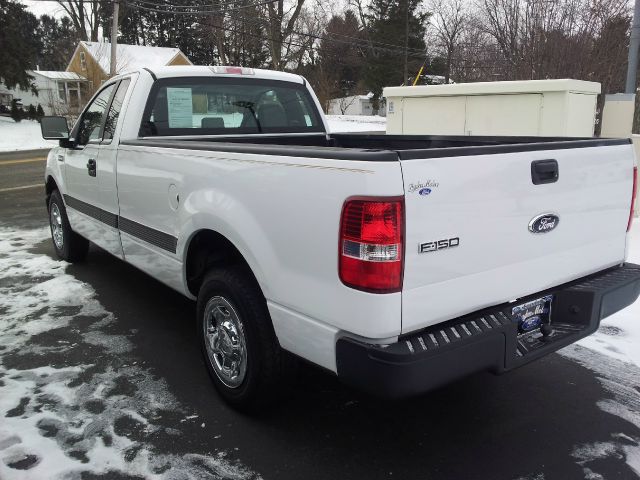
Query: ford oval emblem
point(424, 191)
point(544, 223)
point(531, 323)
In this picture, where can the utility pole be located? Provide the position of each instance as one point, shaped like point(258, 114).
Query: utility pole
point(114, 38)
point(406, 41)
point(634, 47)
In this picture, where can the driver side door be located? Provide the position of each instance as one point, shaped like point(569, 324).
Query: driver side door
point(81, 169)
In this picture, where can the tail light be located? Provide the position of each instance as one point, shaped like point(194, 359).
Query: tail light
point(371, 244)
point(633, 197)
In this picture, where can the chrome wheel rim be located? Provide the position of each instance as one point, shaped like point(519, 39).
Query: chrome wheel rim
point(225, 341)
point(56, 226)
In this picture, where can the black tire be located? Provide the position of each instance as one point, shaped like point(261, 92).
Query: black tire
point(268, 367)
point(74, 248)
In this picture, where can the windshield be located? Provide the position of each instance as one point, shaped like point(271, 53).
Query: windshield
point(227, 106)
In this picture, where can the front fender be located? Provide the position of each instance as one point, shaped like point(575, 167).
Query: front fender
point(55, 169)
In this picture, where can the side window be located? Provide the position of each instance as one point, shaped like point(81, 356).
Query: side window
point(114, 110)
point(91, 121)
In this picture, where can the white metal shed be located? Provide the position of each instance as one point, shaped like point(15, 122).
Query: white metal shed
point(532, 107)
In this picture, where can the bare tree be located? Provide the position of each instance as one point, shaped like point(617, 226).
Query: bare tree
point(360, 7)
point(85, 16)
point(476, 57)
point(310, 26)
point(62, 108)
point(346, 102)
point(280, 23)
point(213, 27)
point(543, 38)
point(449, 20)
point(324, 85)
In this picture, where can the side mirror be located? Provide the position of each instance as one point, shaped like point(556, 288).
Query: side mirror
point(67, 143)
point(54, 128)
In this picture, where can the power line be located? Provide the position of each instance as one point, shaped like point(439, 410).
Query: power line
point(262, 37)
point(66, 2)
point(325, 37)
point(197, 12)
point(349, 40)
point(173, 5)
point(415, 53)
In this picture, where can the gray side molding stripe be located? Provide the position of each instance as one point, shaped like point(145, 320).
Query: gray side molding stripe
point(147, 234)
point(108, 218)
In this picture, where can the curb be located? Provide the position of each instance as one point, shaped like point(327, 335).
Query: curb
point(22, 154)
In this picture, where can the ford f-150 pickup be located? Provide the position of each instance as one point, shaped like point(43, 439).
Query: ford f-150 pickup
point(399, 263)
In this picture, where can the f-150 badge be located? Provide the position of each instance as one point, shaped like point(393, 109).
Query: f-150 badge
point(436, 245)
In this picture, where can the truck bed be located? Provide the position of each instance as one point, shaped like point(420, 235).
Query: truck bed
point(372, 147)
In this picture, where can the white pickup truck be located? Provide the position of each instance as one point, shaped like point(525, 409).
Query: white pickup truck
point(399, 263)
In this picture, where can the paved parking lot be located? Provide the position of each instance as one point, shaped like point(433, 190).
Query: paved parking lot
point(100, 376)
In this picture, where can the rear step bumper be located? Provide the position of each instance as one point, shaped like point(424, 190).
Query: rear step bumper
point(484, 340)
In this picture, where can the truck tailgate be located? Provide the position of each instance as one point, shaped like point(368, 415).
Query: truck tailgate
point(468, 242)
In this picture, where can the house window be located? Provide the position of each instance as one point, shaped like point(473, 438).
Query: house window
point(62, 92)
point(83, 61)
point(74, 94)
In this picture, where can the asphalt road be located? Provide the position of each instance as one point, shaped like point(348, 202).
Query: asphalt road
point(525, 424)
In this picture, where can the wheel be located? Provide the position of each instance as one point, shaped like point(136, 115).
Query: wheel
point(68, 244)
point(240, 349)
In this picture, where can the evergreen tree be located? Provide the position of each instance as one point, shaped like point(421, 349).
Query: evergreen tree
point(31, 112)
point(18, 45)
point(39, 112)
point(58, 41)
point(16, 112)
point(340, 51)
point(386, 29)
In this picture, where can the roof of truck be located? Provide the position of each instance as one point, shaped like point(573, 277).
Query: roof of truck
point(205, 71)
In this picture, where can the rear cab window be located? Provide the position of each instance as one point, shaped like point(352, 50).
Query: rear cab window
point(228, 106)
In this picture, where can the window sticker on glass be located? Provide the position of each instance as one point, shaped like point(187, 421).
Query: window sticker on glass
point(180, 106)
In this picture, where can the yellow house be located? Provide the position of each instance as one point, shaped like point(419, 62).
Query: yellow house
point(92, 59)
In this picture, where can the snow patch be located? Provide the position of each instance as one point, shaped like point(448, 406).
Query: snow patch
point(622, 382)
point(73, 398)
point(24, 135)
point(619, 334)
point(356, 123)
point(613, 354)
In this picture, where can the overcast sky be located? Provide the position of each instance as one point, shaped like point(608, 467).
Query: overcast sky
point(40, 8)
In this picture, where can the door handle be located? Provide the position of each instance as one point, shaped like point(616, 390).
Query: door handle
point(544, 171)
point(91, 167)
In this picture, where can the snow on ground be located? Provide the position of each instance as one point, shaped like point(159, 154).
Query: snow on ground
point(24, 135)
point(613, 354)
point(619, 334)
point(621, 381)
point(356, 123)
point(73, 400)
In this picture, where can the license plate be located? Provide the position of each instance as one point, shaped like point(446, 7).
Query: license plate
point(532, 314)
